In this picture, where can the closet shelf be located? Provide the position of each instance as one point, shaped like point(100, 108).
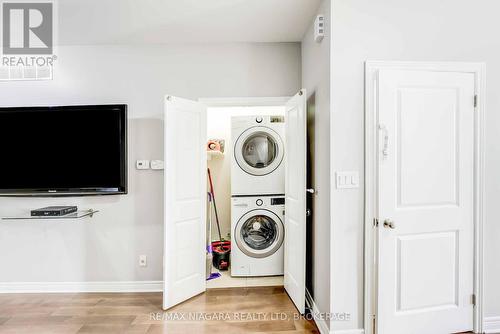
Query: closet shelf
point(75, 215)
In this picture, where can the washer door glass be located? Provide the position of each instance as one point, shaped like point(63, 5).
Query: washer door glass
point(259, 150)
point(259, 232)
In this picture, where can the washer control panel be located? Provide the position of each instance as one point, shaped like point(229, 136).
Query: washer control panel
point(278, 201)
point(262, 202)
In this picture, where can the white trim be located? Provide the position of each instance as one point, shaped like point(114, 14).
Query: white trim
point(331, 160)
point(370, 274)
point(244, 101)
point(479, 172)
point(491, 325)
point(463, 67)
point(370, 277)
point(45, 287)
point(320, 323)
point(349, 331)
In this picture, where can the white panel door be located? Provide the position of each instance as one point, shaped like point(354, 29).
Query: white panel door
point(426, 176)
point(295, 203)
point(185, 200)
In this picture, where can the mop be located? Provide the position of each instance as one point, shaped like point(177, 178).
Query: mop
point(210, 274)
point(222, 249)
point(212, 196)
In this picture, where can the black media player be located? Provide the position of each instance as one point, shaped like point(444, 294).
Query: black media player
point(53, 211)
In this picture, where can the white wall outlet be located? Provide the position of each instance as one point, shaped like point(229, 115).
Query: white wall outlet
point(157, 164)
point(143, 260)
point(142, 164)
point(347, 180)
point(319, 28)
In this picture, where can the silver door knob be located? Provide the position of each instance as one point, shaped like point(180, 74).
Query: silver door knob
point(311, 191)
point(308, 213)
point(389, 224)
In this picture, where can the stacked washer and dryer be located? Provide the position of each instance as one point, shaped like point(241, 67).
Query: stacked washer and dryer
point(257, 195)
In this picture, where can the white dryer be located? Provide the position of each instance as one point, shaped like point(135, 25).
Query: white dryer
point(258, 155)
point(258, 231)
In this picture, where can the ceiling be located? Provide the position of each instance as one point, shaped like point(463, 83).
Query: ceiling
point(83, 22)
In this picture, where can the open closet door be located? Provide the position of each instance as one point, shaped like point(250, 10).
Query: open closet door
point(295, 192)
point(185, 200)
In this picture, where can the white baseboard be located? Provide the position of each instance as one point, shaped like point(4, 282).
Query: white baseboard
point(322, 325)
point(349, 331)
point(44, 287)
point(491, 325)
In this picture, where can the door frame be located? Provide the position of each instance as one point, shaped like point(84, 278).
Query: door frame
point(371, 180)
point(221, 102)
point(213, 102)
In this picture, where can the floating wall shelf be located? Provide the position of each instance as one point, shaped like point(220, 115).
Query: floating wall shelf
point(75, 215)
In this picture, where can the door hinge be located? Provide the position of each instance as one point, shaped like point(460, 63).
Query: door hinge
point(473, 299)
point(375, 222)
point(475, 101)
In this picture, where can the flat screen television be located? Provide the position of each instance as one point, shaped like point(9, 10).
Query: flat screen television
point(63, 151)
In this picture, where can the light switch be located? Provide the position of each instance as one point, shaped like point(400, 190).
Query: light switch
point(157, 164)
point(142, 164)
point(347, 180)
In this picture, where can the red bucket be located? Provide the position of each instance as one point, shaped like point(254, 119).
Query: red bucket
point(221, 251)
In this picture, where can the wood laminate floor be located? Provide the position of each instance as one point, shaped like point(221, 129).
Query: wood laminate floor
point(231, 310)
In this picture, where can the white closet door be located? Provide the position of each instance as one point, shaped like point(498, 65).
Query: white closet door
point(426, 178)
point(295, 192)
point(185, 200)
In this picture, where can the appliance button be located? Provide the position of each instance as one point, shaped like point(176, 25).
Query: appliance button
point(259, 202)
point(259, 119)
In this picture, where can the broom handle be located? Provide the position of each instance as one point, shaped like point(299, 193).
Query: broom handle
point(215, 205)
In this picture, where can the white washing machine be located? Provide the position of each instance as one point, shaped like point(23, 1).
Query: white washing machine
point(258, 155)
point(257, 238)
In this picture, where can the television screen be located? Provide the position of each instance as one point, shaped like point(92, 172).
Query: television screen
point(74, 150)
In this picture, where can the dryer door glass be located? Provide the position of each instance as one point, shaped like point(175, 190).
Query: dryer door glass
point(260, 150)
point(259, 232)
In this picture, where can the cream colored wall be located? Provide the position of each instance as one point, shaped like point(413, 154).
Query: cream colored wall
point(219, 127)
